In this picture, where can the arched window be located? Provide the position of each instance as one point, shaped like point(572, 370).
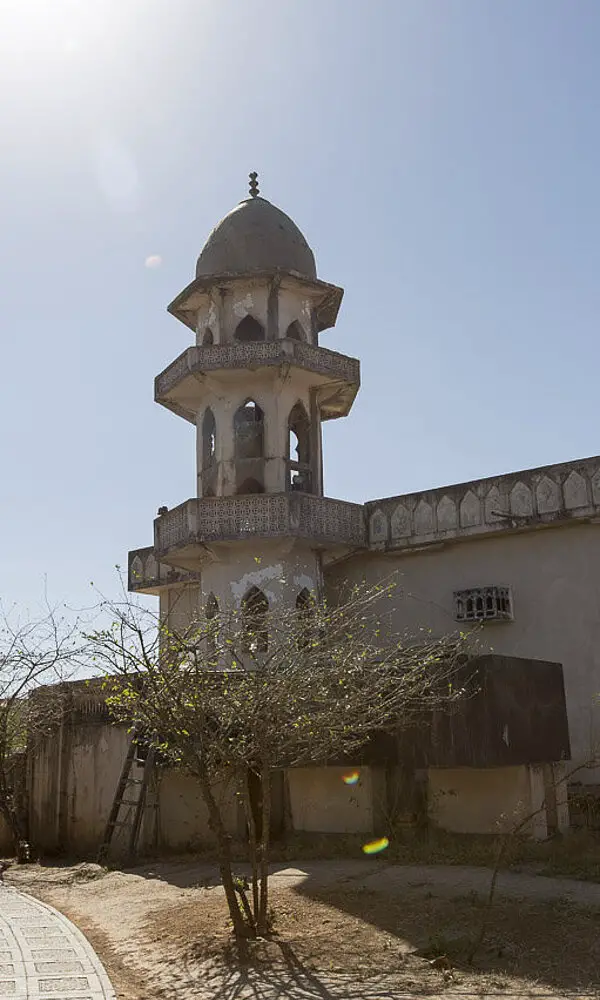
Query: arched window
point(208, 337)
point(255, 609)
point(250, 485)
point(304, 611)
point(304, 601)
point(295, 331)
point(248, 428)
point(209, 440)
point(299, 466)
point(211, 612)
point(249, 330)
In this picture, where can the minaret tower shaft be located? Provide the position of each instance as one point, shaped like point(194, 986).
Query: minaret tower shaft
point(257, 387)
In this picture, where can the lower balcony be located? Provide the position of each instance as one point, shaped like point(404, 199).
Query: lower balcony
point(147, 575)
point(180, 534)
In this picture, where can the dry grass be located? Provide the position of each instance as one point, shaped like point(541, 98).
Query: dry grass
point(576, 855)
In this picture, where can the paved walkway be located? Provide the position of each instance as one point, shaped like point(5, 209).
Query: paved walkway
point(43, 956)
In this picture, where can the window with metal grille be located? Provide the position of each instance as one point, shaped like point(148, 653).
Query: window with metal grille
point(483, 604)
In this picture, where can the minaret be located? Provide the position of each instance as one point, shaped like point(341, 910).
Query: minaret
point(257, 387)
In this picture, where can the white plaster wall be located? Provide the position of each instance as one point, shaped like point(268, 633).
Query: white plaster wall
point(222, 313)
point(209, 316)
point(293, 306)
point(248, 299)
point(280, 569)
point(555, 583)
point(322, 803)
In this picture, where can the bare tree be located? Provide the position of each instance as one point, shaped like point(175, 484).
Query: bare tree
point(34, 652)
point(239, 695)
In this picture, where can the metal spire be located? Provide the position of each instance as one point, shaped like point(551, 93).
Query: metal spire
point(253, 184)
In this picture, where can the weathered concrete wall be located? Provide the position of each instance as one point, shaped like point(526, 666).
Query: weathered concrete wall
point(275, 567)
point(73, 779)
point(473, 800)
point(183, 816)
point(556, 601)
point(6, 839)
point(490, 800)
point(44, 781)
point(322, 803)
point(274, 306)
point(94, 766)
point(180, 606)
point(72, 782)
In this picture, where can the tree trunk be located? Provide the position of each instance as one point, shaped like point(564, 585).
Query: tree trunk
point(263, 913)
point(217, 825)
point(252, 841)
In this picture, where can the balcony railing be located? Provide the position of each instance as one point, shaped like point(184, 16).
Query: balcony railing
point(213, 357)
point(278, 515)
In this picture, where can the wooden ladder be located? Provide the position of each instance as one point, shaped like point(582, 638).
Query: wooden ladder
point(134, 806)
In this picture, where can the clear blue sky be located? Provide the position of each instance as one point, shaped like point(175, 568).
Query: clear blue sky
point(441, 156)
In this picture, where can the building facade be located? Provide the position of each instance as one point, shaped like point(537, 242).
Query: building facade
point(515, 556)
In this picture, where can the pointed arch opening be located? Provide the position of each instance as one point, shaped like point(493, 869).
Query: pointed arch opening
point(248, 428)
point(211, 612)
point(209, 439)
point(295, 331)
point(208, 337)
point(249, 330)
point(298, 458)
point(255, 610)
point(305, 611)
point(250, 485)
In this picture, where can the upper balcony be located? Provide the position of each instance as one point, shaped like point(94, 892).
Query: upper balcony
point(182, 535)
point(178, 386)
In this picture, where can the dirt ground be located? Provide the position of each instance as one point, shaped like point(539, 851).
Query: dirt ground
point(359, 930)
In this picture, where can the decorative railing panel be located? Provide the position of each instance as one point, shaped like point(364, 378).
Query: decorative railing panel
point(337, 367)
point(262, 515)
point(520, 500)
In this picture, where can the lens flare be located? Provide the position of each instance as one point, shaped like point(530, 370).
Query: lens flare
point(352, 778)
point(375, 846)
point(153, 261)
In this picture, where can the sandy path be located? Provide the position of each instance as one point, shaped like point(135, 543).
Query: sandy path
point(114, 912)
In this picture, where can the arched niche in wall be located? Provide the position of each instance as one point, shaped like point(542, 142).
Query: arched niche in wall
point(255, 610)
point(250, 485)
point(295, 331)
point(249, 330)
point(208, 338)
point(299, 476)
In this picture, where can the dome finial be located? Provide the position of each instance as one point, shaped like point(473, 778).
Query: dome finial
point(254, 184)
